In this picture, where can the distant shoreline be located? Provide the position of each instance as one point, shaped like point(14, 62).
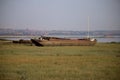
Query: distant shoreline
point(99, 38)
point(66, 36)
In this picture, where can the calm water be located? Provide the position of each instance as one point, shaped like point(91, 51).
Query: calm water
point(108, 39)
point(113, 39)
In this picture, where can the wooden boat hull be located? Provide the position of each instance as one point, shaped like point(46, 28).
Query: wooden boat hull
point(64, 42)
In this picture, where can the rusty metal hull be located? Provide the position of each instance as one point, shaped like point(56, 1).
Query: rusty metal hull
point(64, 42)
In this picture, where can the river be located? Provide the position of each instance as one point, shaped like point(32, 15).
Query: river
point(102, 39)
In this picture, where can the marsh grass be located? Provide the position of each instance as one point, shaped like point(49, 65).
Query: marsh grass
point(25, 62)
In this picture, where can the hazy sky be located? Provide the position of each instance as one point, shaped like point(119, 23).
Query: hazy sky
point(60, 14)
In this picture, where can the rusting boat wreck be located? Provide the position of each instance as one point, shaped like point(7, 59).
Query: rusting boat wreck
point(54, 41)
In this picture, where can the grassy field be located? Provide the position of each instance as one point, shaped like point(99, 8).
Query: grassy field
point(26, 62)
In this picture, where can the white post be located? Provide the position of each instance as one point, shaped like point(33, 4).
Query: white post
point(88, 28)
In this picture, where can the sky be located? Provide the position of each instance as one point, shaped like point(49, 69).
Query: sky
point(60, 14)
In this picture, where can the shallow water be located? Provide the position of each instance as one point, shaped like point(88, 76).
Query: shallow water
point(105, 39)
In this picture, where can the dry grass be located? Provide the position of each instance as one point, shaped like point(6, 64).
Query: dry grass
point(25, 62)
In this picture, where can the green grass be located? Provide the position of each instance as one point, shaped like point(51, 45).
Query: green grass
point(25, 62)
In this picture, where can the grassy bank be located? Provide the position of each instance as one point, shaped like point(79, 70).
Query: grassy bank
point(26, 62)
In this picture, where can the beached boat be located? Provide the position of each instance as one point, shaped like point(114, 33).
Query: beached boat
point(54, 41)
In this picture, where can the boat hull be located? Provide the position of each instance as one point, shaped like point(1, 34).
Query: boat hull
point(85, 42)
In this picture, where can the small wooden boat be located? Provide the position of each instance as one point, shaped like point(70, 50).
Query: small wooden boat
point(54, 41)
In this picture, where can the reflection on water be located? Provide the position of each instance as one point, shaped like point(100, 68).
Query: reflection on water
point(108, 39)
point(114, 39)
point(15, 38)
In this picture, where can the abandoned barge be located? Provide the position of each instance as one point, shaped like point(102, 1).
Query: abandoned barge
point(54, 41)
